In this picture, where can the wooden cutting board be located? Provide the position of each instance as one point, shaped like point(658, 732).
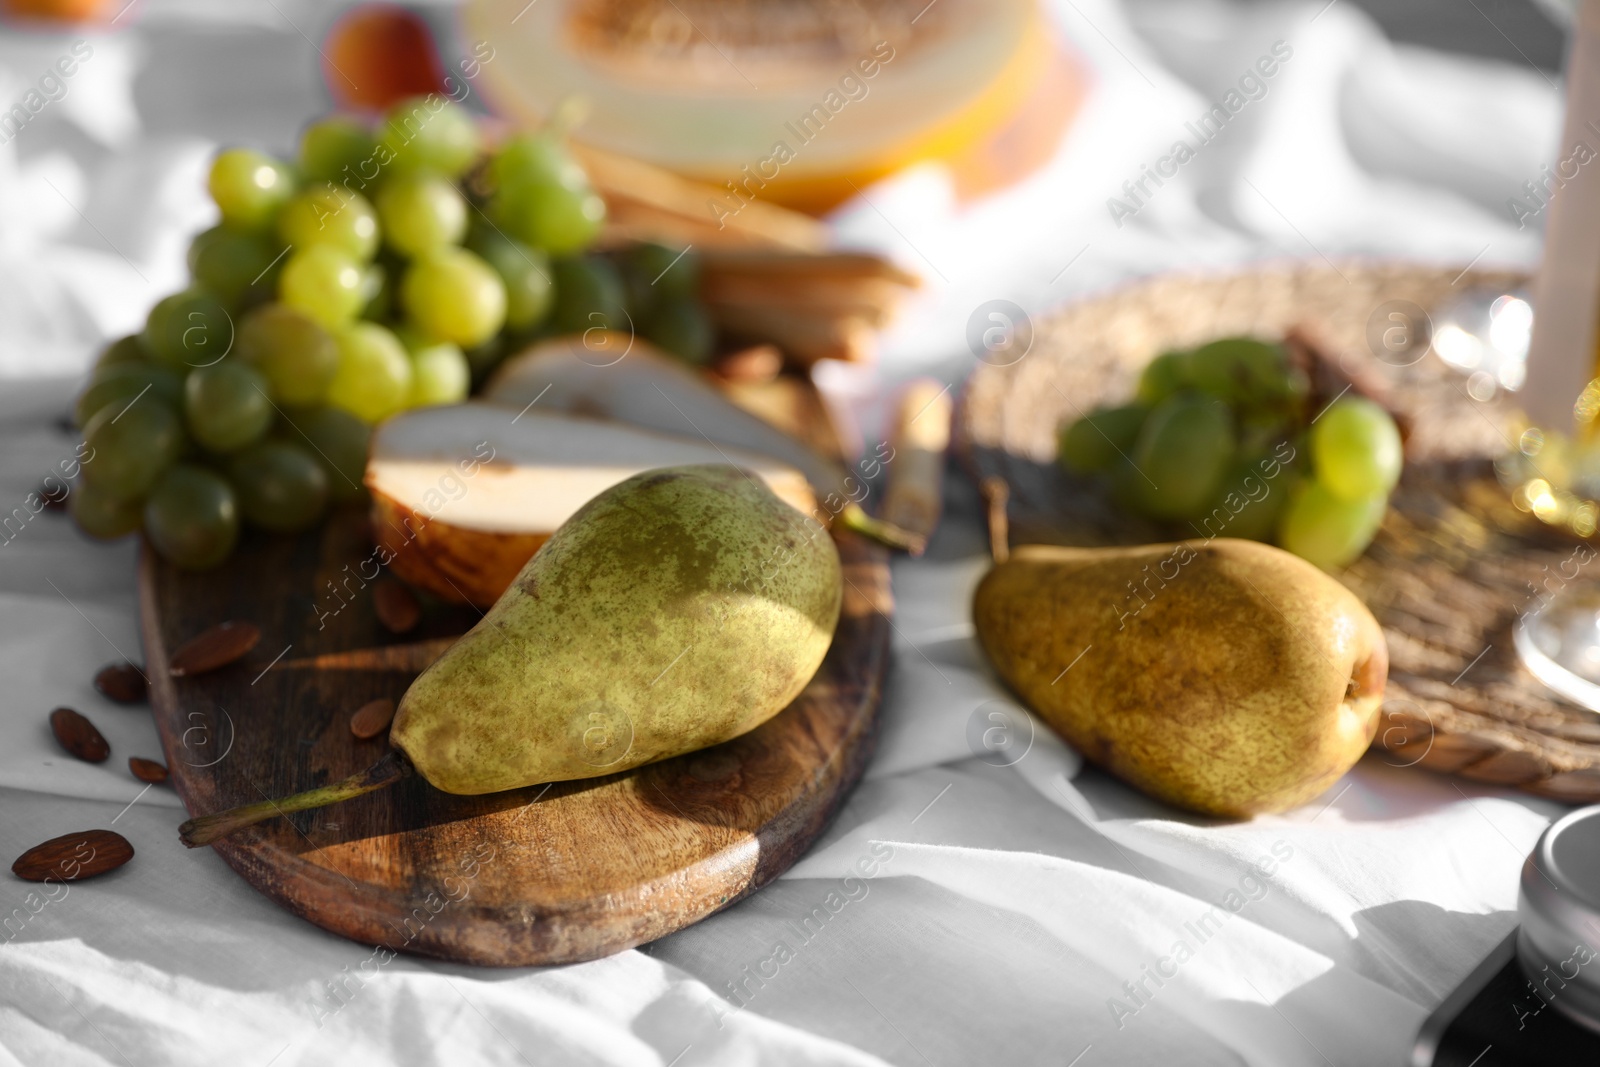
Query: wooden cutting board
point(550, 874)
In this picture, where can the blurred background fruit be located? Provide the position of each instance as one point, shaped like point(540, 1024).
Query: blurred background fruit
point(378, 53)
point(981, 85)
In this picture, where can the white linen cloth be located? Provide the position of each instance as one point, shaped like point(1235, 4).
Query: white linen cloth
point(1024, 914)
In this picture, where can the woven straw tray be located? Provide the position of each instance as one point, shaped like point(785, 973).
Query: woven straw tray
point(1454, 566)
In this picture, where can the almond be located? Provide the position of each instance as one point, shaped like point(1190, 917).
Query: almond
point(213, 648)
point(72, 857)
point(147, 770)
point(78, 736)
point(396, 605)
point(122, 682)
point(372, 718)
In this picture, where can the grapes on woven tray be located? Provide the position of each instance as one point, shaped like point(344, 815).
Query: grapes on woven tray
point(388, 266)
point(1219, 441)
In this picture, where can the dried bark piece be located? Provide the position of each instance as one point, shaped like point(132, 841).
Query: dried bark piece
point(372, 718)
point(78, 736)
point(217, 647)
point(147, 770)
point(396, 605)
point(124, 683)
point(73, 857)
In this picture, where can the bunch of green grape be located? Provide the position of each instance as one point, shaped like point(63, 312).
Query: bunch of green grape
point(1220, 442)
point(386, 268)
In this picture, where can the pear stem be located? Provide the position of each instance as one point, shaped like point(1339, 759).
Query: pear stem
point(885, 533)
point(996, 493)
point(208, 828)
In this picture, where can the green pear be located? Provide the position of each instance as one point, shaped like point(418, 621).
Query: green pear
point(675, 611)
point(678, 609)
point(1226, 676)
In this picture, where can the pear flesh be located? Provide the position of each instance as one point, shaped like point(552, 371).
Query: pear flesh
point(463, 495)
point(676, 610)
point(1227, 676)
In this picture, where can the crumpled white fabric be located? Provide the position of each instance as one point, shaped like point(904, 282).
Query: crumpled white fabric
point(959, 910)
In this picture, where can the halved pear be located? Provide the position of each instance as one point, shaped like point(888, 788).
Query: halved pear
point(464, 495)
point(612, 375)
point(618, 376)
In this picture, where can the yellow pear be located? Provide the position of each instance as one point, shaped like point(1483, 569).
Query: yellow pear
point(1226, 676)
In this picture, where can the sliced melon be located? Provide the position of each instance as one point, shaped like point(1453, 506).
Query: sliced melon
point(464, 495)
point(791, 101)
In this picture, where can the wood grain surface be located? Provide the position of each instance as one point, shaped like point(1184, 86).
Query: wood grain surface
point(1454, 567)
point(549, 874)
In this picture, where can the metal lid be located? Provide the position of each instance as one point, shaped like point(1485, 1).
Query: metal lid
point(1559, 903)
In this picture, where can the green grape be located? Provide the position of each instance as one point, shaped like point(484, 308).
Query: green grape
point(281, 486)
point(430, 133)
point(656, 271)
point(542, 196)
point(121, 351)
point(1261, 429)
point(453, 295)
point(131, 446)
point(1162, 377)
point(559, 220)
point(227, 406)
point(683, 328)
point(526, 273)
point(1242, 370)
point(1184, 449)
point(1356, 449)
point(589, 295)
point(120, 383)
point(534, 159)
point(325, 283)
point(374, 376)
point(330, 216)
point(1247, 503)
point(1097, 440)
point(440, 373)
point(188, 329)
point(297, 356)
point(192, 517)
point(1327, 529)
point(102, 516)
point(421, 212)
point(339, 442)
point(233, 266)
point(1251, 374)
point(333, 150)
point(249, 188)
